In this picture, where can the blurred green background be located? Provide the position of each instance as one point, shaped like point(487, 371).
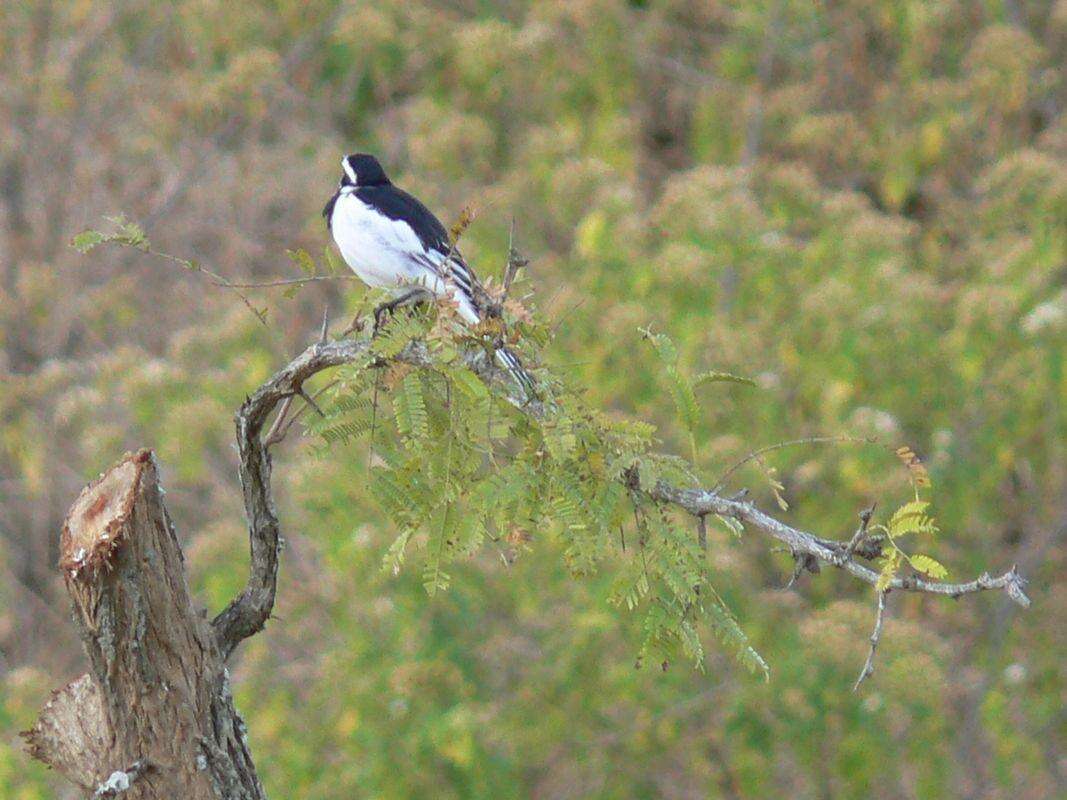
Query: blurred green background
point(861, 203)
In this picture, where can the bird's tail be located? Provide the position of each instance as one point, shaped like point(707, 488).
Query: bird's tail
point(510, 362)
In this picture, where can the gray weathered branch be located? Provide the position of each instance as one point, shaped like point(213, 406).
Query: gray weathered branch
point(249, 611)
point(834, 553)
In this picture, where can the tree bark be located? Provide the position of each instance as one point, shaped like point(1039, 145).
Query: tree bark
point(154, 717)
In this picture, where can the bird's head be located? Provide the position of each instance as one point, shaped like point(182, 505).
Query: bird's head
point(361, 169)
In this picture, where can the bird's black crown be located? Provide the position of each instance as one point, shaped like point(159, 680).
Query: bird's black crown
point(361, 169)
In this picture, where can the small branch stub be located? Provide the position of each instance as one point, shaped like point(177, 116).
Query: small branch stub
point(71, 734)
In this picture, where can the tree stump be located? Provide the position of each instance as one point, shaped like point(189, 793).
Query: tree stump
point(154, 717)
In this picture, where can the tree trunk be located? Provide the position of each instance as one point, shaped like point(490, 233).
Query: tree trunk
point(154, 717)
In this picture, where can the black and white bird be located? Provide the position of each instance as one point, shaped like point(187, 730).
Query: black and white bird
point(392, 241)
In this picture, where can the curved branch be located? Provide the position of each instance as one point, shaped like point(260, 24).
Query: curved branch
point(249, 611)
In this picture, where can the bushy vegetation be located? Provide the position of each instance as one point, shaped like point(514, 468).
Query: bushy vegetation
point(863, 208)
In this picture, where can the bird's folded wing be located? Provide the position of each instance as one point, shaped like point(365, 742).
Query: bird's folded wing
point(449, 275)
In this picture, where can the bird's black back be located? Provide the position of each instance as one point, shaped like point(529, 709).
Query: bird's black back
point(396, 204)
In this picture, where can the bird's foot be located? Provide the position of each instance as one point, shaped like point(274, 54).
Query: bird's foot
point(414, 297)
point(379, 315)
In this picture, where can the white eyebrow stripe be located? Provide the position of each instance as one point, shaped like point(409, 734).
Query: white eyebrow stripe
point(348, 170)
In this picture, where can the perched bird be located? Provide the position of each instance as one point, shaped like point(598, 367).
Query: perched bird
point(392, 241)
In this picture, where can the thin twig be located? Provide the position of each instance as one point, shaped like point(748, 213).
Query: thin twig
point(355, 326)
point(274, 435)
point(798, 570)
point(703, 501)
point(566, 316)
point(791, 443)
point(280, 429)
point(373, 418)
point(514, 263)
point(309, 400)
point(216, 279)
point(876, 636)
point(324, 333)
point(286, 281)
point(802, 562)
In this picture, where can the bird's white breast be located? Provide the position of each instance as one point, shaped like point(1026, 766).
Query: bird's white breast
point(378, 249)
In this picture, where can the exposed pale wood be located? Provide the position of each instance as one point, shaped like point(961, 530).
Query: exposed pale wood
point(72, 734)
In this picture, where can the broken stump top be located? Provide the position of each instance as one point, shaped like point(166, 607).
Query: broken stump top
point(95, 525)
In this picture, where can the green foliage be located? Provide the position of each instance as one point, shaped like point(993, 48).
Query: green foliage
point(410, 410)
point(682, 388)
point(928, 566)
point(458, 465)
point(124, 232)
point(910, 518)
point(715, 376)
